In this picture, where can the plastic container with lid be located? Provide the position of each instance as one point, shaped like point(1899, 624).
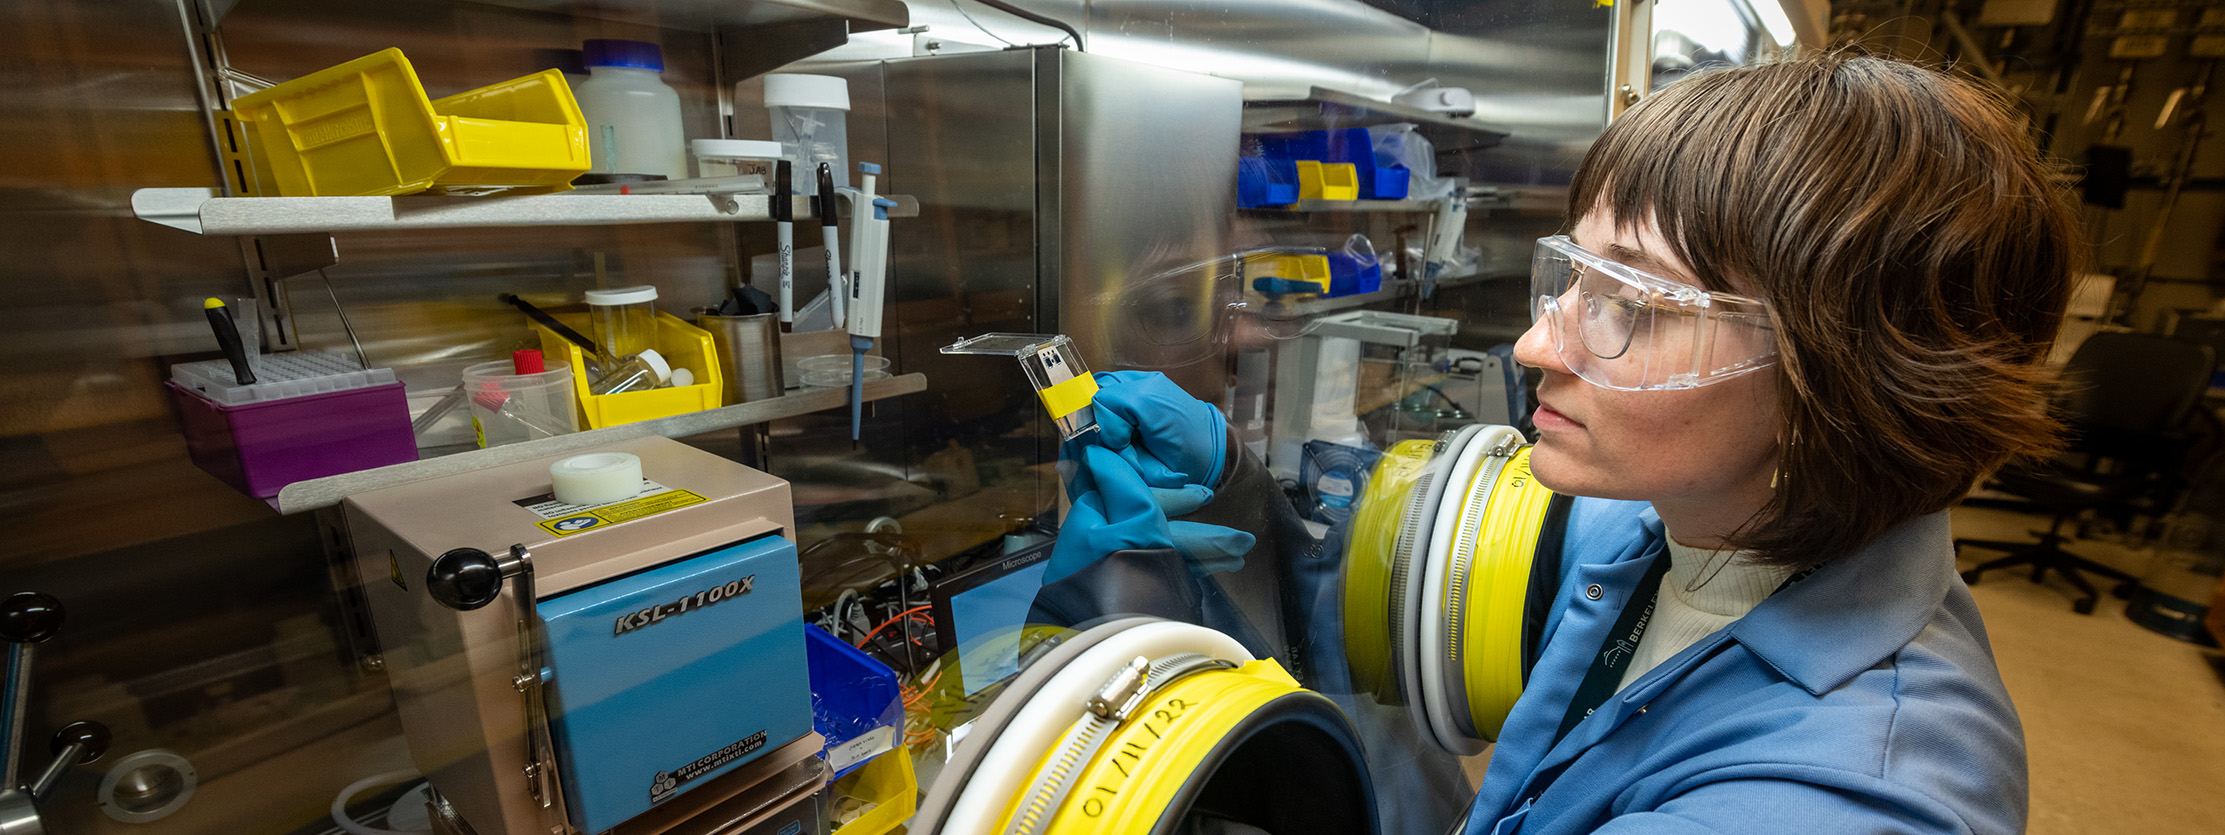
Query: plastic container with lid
point(509, 407)
point(734, 157)
point(633, 117)
point(623, 321)
point(809, 116)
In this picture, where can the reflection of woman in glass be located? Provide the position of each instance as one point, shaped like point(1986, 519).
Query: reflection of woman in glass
point(1801, 308)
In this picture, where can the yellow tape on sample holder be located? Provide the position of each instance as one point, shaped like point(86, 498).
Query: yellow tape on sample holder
point(1066, 398)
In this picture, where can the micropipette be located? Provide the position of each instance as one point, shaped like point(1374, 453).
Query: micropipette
point(1444, 239)
point(868, 283)
point(829, 230)
point(784, 226)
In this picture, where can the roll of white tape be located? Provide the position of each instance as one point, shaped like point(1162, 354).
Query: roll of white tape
point(596, 478)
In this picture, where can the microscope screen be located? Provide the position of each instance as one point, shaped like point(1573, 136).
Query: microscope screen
point(986, 609)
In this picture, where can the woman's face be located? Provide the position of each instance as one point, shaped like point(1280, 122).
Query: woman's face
point(1703, 456)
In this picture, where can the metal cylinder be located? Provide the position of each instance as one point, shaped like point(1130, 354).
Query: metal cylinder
point(748, 354)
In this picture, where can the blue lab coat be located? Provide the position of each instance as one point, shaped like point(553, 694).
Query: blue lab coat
point(1863, 698)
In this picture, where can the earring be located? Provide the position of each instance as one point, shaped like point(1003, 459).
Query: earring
point(1785, 451)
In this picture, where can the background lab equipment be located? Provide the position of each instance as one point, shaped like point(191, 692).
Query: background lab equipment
point(632, 650)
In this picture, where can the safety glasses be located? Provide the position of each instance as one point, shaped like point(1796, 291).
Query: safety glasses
point(1635, 331)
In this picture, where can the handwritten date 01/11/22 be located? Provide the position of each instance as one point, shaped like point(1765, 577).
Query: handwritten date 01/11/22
point(1132, 751)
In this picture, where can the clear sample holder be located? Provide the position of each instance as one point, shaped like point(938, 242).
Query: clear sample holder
point(1061, 381)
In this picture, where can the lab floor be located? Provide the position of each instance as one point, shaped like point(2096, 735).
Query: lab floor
point(2125, 727)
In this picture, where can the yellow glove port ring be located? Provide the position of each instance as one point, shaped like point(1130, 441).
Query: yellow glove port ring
point(1219, 734)
point(1369, 560)
point(1441, 616)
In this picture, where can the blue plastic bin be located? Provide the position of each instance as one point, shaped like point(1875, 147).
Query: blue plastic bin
point(1265, 182)
point(1385, 183)
point(853, 697)
point(1349, 276)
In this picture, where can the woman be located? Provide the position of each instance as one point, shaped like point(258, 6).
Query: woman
point(1802, 308)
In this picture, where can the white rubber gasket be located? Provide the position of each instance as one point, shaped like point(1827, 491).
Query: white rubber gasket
point(966, 748)
point(1435, 703)
point(1415, 532)
point(1088, 736)
point(1456, 570)
point(1058, 704)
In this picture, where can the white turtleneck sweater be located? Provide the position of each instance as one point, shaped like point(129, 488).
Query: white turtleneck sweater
point(1703, 592)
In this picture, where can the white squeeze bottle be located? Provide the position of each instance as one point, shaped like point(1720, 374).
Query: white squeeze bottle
point(633, 117)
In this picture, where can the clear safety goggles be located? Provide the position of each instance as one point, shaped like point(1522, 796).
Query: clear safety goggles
point(1635, 331)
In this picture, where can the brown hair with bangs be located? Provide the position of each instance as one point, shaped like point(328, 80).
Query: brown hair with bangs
point(1913, 249)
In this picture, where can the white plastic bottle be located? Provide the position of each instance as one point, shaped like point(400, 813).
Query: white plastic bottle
point(633, 117)
point(810, 115)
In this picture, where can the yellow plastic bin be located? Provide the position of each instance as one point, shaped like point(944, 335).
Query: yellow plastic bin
point(366, 128)
point(1308, 268)
point(683, 346)
point(887, 783)
point(1328, 180)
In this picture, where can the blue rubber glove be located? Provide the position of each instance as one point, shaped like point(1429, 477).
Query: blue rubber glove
point(1171, 438)
point(1115, 511)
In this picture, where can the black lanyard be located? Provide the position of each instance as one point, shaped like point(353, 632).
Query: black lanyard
point(1621, 645)
point(1615, 655)
point(1616, 652)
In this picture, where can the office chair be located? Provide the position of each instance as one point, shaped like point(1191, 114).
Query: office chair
point(2127, 398)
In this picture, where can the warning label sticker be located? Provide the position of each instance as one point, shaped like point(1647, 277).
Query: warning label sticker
point(563, 519)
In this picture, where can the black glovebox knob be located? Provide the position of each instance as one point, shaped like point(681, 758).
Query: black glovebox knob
point(28, 617)
point(464, 579)
point(92, 736)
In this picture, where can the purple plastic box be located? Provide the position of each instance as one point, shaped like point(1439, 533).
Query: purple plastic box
point(263, 446)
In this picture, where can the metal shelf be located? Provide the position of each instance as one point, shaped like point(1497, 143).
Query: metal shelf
point(1464, 280)
point(1398, 290)
point(1310, 307)
point(1479, 197)
point(202, 212)
point(1350, 206)
point(1323, 108)
point(754, 36)
point(715, 15)
point(328, 491)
